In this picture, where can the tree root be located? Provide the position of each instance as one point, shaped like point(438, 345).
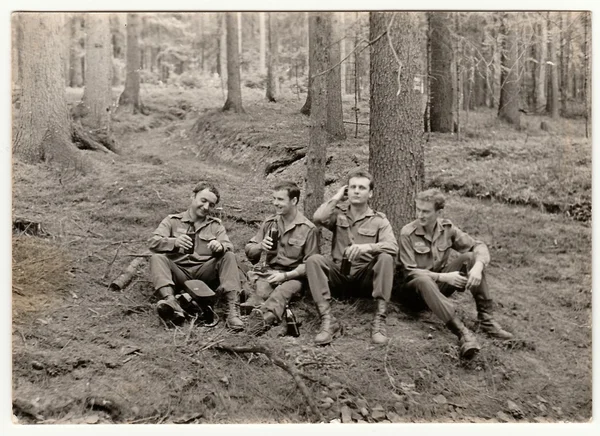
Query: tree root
point(91, 140)
point(277, 361)
point(124, 279)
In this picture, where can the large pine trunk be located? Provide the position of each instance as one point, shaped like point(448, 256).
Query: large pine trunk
point(335, 115)
point(75, 52)
point(273, 47)
point(130, 97)
point(441, 83)
point(508, 108)
point(43, 127)
point(552, 81)
point(396, 156)
point(234, 87)
point(97, 95)
point(317, 146)
point(305, 110)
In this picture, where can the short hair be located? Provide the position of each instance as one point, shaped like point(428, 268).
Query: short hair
point(434, 196)
point(291, 188)
point(358, 172)
point(202, 185)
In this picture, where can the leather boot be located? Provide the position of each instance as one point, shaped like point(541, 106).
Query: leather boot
point(329, 325)
point(168, 308)
point(259, 323)
point(466, 339)
point(233, 320)
point(378, 330)
point(485, 308)
point(250, 304)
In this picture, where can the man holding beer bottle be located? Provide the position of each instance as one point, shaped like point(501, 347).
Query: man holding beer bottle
point(430, 276)
point(363, 252)
point(194, 245)
point(285, 239)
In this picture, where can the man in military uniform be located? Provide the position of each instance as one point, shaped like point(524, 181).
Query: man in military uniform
point(424, 254)
point(280, 277)
point(364, 238)
point(212, 259)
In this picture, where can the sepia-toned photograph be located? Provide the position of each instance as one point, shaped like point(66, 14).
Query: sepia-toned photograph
point(273, 217)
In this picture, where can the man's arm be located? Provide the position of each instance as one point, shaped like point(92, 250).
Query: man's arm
point(464, 243)
point(221, 235)
point(253, 248)
point(326, 214)
point(162, 240)
point(387, 241)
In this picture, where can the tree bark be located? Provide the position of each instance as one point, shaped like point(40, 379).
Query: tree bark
point(263, 46)
point(97, 95)
point(539, 66)
point(43, 126)
point(130, 97)
point(442, 88)
point(222, 59)
point(305, 110)
point(552, 92)
point(508, 108)
point(273, 48)
point(342, 35)
point(564, 62)
point(396, 155)
point(234, 87)
point(335, 115)
point(317, 147)
point(76, 52)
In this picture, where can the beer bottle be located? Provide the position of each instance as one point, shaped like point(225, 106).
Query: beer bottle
point(292, 328)
point(346, 264)
point(464, 272)
point(274, 235)
point(191, 232)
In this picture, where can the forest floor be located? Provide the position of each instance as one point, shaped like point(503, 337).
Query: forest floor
point(85, 354)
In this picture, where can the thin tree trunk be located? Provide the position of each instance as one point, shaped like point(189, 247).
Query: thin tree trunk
point(396, 157)
point(335, 115)
point(342, 34)
point(552, 93)
point(539, 66)
point(75, 52)
point(305, 110)
point(234, 87)
point(317, 146)
point(43, 127)
point(564, 63)
point(441, 91)
point(586, 74)
point(508, 109)
point(263, 46)
point(272, 78)
point(130, 97)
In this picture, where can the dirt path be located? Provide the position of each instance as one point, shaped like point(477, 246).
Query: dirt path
point(85, 353)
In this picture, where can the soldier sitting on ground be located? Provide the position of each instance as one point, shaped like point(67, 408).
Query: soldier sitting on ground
point(430, 277)
point(193, 245)
point(362, 239)
point(287, 239)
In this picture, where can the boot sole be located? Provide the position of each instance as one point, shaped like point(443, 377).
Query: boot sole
point(168, 314)
point(337, 333)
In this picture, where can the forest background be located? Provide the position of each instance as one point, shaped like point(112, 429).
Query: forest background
point(171, 97)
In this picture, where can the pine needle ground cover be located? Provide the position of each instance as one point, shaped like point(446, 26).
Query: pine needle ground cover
point(84, 354)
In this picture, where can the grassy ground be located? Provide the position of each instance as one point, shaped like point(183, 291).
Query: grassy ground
point(82, 353)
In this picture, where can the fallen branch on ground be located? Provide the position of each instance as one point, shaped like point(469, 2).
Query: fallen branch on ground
point(290, 369)
point(281, 163)
point(124, 279)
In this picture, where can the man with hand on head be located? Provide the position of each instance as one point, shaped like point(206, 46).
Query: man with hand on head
point(424, 254)
point(287, 238)
point(362, 239)
point(194, 245)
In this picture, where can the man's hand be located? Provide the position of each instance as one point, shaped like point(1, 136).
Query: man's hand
point(276, 278)
point(266, 244)
point(215, 246)
point(342, 193)
point(475, 276)
point(355, 251)
point(453, 279)
point(183, 241)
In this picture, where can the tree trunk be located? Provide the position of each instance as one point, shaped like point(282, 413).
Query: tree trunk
point(305, 110)
point(16, 50)
point(262, 47)
point(508, 108)
point(97, 95)
point(442, 89)
point(239, 39)
point(539, 66)
point(342, 35)
point(130, 96)
point(564, 63)
point(76, 51)
point(222, 60)
point(273, 48)
point(234, 87)
point(335, 115)
point(43, 127)
point(552, 92)
point(586, 72)
point(396, 156)
point(317, 146)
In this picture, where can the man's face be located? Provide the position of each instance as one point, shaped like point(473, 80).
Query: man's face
point(203, 203)
point(282, 203)
point(426, 213)
point(359, 190)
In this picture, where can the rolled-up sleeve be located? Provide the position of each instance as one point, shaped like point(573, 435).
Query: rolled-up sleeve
point(252, 248)
point(162, 240)
point(326, 215)
point(463, 243)
point(387, 241)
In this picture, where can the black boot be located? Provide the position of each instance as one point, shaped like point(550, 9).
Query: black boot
point(233, 320)
point(329, 325)
point(485, 307)
point(378, 330)
point(168, 308)
point(466, 339)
